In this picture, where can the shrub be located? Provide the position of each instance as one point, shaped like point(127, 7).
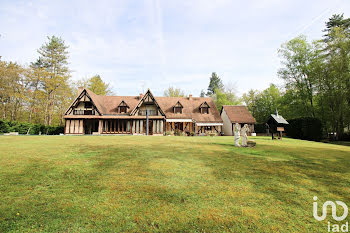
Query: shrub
point(192, 134)
point(23, 128)
point(306, 128)
point(167, 133)
point(260, 128)
point(4, 126)
point(177, 132)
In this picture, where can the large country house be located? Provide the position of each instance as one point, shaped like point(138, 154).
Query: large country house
point(143, 114)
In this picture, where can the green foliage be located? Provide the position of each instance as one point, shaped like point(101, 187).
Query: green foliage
point(174, 92)
point(23, 128)
point(202, 93)
point(225, 98)
point(215, 84)
point(260, 128)
point(263, 104)
point(96, 85)
point(337, 20)
point(177, 132)
point(306, 128)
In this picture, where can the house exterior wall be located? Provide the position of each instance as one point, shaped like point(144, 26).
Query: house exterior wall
point(227, 127)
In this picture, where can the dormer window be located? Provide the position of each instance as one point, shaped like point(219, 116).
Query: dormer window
point(123, 107)
point(204, 108)
point(178, 107)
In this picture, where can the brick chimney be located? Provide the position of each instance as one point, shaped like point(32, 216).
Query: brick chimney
point(190, 96)
point(141, 95)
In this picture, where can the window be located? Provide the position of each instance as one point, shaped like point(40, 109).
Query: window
point(178, 110)
point(88, 104)
point(122, 109)
point(205, 110)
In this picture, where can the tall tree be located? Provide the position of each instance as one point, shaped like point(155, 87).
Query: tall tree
point(337, 20)
point(54, 57)
point(174, 92)
point(215, 83)
point(299, 62)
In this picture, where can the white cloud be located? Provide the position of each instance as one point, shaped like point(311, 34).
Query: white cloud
point(153, 43)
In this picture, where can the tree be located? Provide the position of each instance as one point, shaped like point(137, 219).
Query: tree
point(262, 104)
point(96, 85)
point(299, 69)
point(337, 20)
point(250, 100)
point(174, 92)
point(202, 93)
point(54, 58)
point(215, 83)
point(224, 98)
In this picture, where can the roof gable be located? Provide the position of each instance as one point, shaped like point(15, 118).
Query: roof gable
point(178, 105)
point(147, 98)
point(123, 104)
point(204, 105)
point(85, 95)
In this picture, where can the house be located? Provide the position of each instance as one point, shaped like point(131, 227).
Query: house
point(236, 114)
point(143, 114)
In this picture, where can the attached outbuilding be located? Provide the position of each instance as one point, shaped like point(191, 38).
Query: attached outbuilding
point(236, 114)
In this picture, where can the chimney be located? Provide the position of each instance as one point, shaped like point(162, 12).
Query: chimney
point(141, 95)
point(190, 96)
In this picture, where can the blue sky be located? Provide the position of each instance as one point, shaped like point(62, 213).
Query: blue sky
point(135, 45)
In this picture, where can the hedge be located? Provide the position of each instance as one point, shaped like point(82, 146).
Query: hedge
point(306, 128)
point(22, 128)
point(260, 128)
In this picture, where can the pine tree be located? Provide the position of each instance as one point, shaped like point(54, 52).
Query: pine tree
point(214, 84)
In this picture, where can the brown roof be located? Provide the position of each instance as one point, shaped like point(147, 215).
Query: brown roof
point(190, 108)
point(238, 114)
point(108, 105)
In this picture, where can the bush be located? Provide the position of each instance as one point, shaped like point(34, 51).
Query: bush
point(23, 128)
point(192, 134)
point(260, 128)
point(306, 128)
point(4, 126)
point(177, 132)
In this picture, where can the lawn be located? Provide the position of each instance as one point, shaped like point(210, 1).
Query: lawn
point(140, 184)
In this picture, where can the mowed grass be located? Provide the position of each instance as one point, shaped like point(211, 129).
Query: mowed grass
point(171, 184)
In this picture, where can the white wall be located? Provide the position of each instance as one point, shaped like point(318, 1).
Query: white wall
point(227, 127)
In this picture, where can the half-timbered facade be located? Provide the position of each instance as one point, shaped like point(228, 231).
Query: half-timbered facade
point(143, 114)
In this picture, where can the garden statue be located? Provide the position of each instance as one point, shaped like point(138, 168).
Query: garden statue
point(245, 130)
point(237, 134)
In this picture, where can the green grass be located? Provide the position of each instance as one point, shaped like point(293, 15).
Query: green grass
point(172, 184)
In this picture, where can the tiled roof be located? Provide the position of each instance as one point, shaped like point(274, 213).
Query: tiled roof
point(239, 114)
point(108, 105)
